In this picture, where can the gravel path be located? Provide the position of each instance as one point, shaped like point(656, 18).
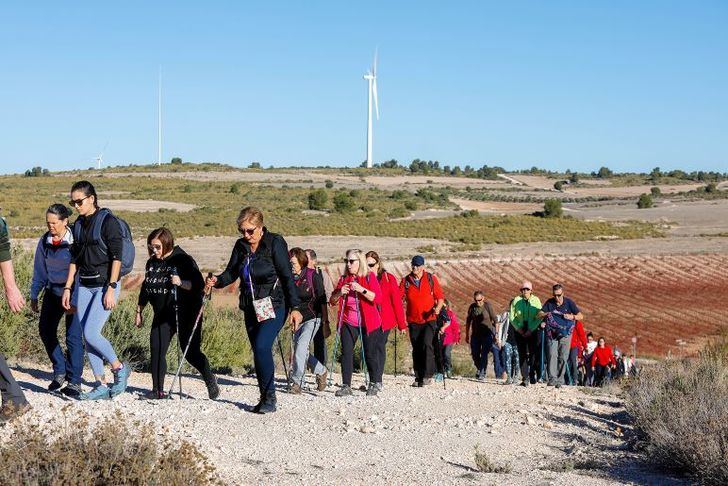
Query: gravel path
point(404, 436)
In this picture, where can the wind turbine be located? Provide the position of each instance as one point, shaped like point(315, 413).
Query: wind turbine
point(159, 120)
point(371, 77)
point(100, 158)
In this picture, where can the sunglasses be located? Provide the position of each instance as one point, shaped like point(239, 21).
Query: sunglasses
point(77, 202)
point(479, 300)
point(524, 289)
point(154, 247)
point(372, 265)
point(247, 231)
point(350, 262)
point(557, 295)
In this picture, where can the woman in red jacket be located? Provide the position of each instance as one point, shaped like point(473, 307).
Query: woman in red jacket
point(578, 345)
point(450, 336)
point(359, 296)
point(602, 360)
point(391, 308)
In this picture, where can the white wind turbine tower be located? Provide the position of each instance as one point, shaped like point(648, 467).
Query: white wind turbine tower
point(100, 158)
point(371, 77)
point(159, 120)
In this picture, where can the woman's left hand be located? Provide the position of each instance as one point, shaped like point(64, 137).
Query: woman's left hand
point(296, 319)
point(109, 299)
point(356, 287)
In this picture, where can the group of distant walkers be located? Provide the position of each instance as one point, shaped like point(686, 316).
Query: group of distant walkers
point(76, 279)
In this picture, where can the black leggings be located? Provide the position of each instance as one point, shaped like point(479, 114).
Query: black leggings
point(349, 337)
point(529, 355)
point(161, 336)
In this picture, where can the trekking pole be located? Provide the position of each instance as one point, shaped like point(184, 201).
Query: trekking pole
point(173, 273)
point(337, 342)
point(396, 330)
point(568, 372)
point(543, 339)
point(441, 339)
point(205, 299)
point(361, 337)
point(283, 358)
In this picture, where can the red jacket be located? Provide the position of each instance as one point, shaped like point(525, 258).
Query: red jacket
point(603, 357)
point(452, 332)
point(420, 301)
point(391, 310)
point(369, 310)
point(578, 337)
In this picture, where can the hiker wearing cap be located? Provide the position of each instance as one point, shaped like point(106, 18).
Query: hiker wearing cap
point(358, 294)
point(14, 403)
point(523, 315)
point(312, 295)
point(424, 298)
point(560, 314)
point(391, 308)
point(50, 271)
point(479, 326)
point(267, 294)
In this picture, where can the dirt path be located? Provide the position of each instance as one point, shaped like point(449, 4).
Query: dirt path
point(404, 436)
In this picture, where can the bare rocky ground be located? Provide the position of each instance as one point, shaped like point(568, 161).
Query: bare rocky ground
point(404, 436)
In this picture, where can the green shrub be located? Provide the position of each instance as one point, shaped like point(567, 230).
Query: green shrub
point(343, 203)
point(411, 205)
point(486, 465)
point(329, 184)
point(552, 208)
point(111, 451)
point(558, 185)
point(681, 407)
point(176, 160)
point(645, 201)
point(710, 188)
point(317, 199)
point(655, 191)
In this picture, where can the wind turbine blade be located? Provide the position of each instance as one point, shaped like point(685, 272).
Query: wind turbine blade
point(374, 92)
point(374, 66)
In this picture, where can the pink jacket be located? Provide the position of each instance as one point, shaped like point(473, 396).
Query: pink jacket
point(452, 332)
point(369, 312)
point(391, 310)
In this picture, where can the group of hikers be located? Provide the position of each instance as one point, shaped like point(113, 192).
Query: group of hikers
point(78, 267)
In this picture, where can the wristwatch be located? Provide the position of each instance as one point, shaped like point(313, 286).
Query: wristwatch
point(113, 285)
point(364, 292)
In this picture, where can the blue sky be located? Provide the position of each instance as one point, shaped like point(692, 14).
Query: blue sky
point(630, 85)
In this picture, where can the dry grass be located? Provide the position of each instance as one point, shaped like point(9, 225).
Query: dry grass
point(486, 465)
point(681, 407)
point(112, 451)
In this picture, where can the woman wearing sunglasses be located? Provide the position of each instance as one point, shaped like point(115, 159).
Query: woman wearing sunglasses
point(173, 286)
point(50, 272)
point(267, 294)
point(98, 288)
point(391, 308)
point(359, 295)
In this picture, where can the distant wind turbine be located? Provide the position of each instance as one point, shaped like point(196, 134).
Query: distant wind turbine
point(159, 121)
point(100, 157)
point(371, 77)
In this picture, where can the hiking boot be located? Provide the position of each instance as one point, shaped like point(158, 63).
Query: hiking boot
point(213, 390)
point(11, 411)
point(57, 383)
point(155, 395)
point(426, 381)
point(438, 378)
point(296, 389)
point(416, 384)
point(524, 384)
point(344, 391)
point(558, 385)
point(372, 390)
point(449, 374)
point(380, 386)
point(509, 381)
point(101, 392)
point(321, 381)
point(72, 390)
point(121, 377)
point(268, 405)
point(550, 383)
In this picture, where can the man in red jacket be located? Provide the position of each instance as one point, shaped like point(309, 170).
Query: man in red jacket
point(424, 298)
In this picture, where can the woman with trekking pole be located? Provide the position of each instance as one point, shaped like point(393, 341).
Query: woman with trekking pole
point(50, 272)
point(99, 254)
point(391, 309)
point(173, 287)
point(311, 293)
point(267, 295)
point(358, 294)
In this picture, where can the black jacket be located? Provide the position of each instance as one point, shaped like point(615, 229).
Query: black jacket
point(93, 267)
point(157, 287)
point(313, 300)
point(269, 263)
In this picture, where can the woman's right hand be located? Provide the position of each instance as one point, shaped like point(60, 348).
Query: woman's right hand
point(210, 283)
point(139, 319)
point(66, 299)
point(34, 305)
point(345, 289)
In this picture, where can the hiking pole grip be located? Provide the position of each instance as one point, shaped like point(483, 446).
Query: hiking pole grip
point(209, 295)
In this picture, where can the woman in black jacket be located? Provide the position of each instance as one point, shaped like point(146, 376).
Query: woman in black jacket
point(169, 270)
point(267, 294)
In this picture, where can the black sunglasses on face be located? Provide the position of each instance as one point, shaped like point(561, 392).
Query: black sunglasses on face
point(525, 289)
point(350, 262)
point(154, 247)
point(372, 265)
point(247, 231)
point(77, 202)
point(557, 295)
point(479, 300)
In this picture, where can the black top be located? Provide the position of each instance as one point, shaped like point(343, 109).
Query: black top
point(270, 263)
point(477, 318)
point(313, 300)
point(157, 286)
point(92, 266)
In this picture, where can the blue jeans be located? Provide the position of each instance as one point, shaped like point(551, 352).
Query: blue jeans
point(302, 340)
point(261, 336)
point(480, 346)
point(498, 365)
point(91, 317)
point(510, 358)
point(69, 365)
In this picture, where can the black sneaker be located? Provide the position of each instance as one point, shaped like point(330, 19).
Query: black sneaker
point(72, 390)
point(372, 390)
point(213, 390)
point(344, 391)
point(57, 383)
point(268, 404)
point(155, 395)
